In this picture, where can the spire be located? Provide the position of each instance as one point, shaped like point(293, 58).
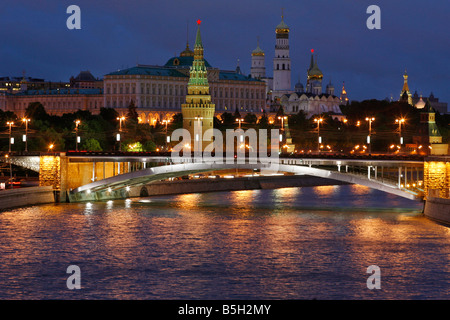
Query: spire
point(405, 82)
point(311, 65)
point(282, 27)
point(238, 68)
point(198, 38)
point(405, 95)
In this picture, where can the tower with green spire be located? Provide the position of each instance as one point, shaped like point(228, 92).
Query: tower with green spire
point(198, 111)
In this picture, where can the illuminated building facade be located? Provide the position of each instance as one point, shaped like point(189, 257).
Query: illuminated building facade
point(312, 100)
point(198, 111)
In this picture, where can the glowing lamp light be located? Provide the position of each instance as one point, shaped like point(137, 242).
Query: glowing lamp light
point(199, 21)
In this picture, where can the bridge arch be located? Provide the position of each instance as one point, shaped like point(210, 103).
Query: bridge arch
point(121, 183)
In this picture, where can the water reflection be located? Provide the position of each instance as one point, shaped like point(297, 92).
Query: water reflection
point(261, 244)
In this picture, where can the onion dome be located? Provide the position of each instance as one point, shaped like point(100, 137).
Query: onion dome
point(282, 27)
point(258, 51)
point(314, 71)
point(299, 87)
point(420, 104)
point(187, 52)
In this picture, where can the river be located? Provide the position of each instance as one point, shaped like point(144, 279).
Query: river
point(291, 243)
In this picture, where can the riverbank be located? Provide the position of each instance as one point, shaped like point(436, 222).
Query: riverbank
point(438, 209)
point(21, 197)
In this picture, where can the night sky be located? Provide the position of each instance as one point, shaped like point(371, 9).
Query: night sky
point(118, 34)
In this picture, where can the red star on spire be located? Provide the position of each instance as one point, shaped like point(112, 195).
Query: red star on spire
point(199, 21)
point(312, 50)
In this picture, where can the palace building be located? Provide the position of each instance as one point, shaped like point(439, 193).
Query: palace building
point(57, 98)
point(159, 91)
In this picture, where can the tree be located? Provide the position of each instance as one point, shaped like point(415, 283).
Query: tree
point(236, 114)
point(108, 114)
point(228, 118)
point(132, 112)
point(250, 118)
point(263, 122)
point(36, 111)
point(91, 145)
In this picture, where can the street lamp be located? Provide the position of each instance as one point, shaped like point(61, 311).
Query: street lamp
point(10, 170)
point(400, 121)
point(121, 118)
point(10, 123)
point(77, 123)
point(282, 127)
point(50, 147)
point(239, 120)
point(319, 138)
point(370, 133)
point(166, 122)
point(25, 137)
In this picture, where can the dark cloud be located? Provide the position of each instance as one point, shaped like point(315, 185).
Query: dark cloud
point(118, 34)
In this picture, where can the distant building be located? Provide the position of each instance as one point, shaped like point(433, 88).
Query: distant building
point(428, 139)
point(55, 101)
point(313, 100)
point(405, 95)
point(16, 84)
point(85, 80)
point(418, 101)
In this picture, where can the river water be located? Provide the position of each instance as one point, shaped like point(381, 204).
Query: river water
point(291, 243)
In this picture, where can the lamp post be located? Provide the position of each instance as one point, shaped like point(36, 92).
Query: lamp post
point(319, 139)
point(77, 123)
point(121, 118)
point(400, 121)
point(10, 124)
point(370, 133)
point(10, 171)
point(239, 120)
point(25, 137)
point(166, 122)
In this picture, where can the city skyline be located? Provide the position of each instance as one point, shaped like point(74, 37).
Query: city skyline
point(371, 62)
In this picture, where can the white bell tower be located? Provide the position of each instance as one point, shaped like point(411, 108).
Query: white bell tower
point(281, 61)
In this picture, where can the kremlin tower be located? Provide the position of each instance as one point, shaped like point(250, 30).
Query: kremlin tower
point(198, 111)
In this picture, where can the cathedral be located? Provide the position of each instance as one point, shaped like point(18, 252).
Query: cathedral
point(312, 99)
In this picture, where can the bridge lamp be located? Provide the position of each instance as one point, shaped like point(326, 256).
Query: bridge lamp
point(88, 191)
point(109, 190)
point(127, 188)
